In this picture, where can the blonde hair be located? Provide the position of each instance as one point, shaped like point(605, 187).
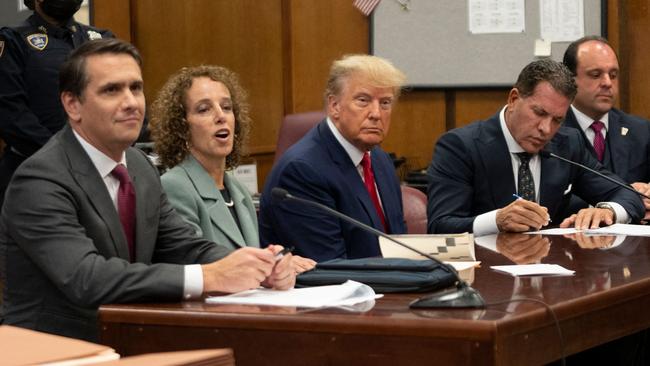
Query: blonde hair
point(379, 72)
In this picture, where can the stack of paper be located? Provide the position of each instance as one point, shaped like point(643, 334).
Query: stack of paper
point(456, 250)
point(346, 294)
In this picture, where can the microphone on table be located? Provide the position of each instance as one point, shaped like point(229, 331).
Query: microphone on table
point(461, 296)
point(548, 154)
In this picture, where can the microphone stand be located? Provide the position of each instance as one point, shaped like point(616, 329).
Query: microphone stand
point(461, 296)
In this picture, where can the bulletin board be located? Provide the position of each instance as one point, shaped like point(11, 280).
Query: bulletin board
point(432, 44)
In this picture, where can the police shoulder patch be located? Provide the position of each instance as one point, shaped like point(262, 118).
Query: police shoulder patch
point(92, 35)
point(37, 41)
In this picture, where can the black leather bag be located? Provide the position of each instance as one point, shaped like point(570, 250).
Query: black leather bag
point(384, 275)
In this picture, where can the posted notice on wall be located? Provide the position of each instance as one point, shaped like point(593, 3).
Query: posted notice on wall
point(247, 175)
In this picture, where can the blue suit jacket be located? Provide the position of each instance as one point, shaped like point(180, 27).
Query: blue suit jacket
point(317, 168)
point(471, 173)
point(627, 155)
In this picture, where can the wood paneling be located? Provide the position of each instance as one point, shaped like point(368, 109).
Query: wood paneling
point(243, 35)
point(320, 32)
point(283, 49)
point(635, 57)
point(478, 104)
point(114, 15)
point(416, 123)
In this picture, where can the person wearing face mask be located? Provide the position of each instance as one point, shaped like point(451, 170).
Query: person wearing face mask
point(30, 56)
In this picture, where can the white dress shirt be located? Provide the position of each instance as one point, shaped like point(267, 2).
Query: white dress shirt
point(486, 224)
point(193, 280)
point(585, 122)
point(354, 153)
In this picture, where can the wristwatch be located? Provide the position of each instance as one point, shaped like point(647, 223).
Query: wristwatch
point(609, 207)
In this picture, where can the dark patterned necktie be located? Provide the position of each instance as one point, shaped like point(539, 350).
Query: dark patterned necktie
point(126, 206)
point(525, 184)
point(599, 140)
point(369, 181)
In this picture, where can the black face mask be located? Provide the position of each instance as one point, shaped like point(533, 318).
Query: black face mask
point(61, 10)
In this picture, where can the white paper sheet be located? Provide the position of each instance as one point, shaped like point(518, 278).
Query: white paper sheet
point(616, 229)
point(496, 16)
point(346, 294)
point(561, 20)
point(534, 270)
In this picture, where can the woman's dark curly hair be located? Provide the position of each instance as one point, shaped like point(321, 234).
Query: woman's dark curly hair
point(169, 128)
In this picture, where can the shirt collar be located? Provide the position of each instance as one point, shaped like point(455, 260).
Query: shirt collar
point(101, 161)
point(353, 152)
point(513, 146)
point(585, 121)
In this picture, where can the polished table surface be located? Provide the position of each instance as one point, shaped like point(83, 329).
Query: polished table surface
point(607, 298)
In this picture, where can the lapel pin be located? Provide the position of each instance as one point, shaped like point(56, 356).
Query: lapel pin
point(623, 131)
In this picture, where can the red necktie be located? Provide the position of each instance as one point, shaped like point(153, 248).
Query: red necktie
point(126, 206)
point(599, 140)
point(369, 181)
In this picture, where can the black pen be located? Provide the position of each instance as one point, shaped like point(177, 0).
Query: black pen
point(283, 252)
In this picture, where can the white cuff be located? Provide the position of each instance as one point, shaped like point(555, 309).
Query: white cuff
point(485, 224)
point(621, 215)
point(193, 284)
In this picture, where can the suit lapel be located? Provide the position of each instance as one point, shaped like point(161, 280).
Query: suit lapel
point(555, 175)
point(618, 144)
point(248, 235)
point(213, 200)
point(496, 160)
point(144, 241)
point(93, 185)
point(572, 121)
point(350, 174)
point(383, 178)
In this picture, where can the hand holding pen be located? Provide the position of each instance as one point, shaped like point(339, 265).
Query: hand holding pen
point(282, 277)
point(522, 215)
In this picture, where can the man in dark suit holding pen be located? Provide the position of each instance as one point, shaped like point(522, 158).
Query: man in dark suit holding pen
point(85, 221)
point(620, 141)
point(477, 168)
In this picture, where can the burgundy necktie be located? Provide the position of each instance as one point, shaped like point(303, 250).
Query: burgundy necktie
point(126, 206)
point(599, 140)
point(369, 181)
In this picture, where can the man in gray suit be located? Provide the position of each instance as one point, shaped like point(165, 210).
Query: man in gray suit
point(70, 242)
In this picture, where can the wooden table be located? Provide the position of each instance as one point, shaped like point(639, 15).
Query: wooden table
point(607, 298)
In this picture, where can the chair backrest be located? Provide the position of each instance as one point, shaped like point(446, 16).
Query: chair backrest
point(293, 128)
point(414, 204)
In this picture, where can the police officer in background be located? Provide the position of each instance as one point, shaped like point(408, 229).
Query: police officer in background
point(30, 56)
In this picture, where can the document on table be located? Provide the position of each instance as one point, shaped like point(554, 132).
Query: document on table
point(346, 294)
point(534, 270)
point(616, 229)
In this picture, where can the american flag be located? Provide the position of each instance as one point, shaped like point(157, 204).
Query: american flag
point(366, 6)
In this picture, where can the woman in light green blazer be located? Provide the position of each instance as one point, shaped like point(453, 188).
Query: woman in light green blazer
point(200, 124)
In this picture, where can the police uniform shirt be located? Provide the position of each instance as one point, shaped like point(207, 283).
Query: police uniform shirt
point(30, 57)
